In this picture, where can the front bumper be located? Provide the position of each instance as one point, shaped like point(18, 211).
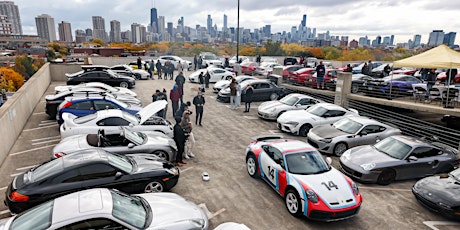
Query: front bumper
point(322, 146)
point(268, 116)
point(333, 216)
point(223, 98)
point(435, 207)
point(357, 173)
point(288, 128)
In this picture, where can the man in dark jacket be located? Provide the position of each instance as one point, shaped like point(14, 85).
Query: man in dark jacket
point(206, 79)
point(248, 92)
point(199, 101)
point(159, 69)
point(174, 96)
point(179, 138)
point(180, 80)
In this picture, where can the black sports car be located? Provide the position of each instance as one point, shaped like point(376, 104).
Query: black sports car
point(91, 168)
point(440, 193)
point(264, 90)
point(358, 82)
point(105, 76)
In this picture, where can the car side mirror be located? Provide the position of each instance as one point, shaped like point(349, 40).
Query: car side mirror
point(412, 158)
point(363, 133)
point(297, 105)
point(329, 160)
point(131, 125)
point(118, 175)
point(131, 145)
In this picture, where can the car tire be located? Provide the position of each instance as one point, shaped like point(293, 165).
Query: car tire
point(274, 96)
point(154, 186)
point(386, 177)
point(340, 148)
point(161, 154)
point(303, 131)
point(252, 165)
point(124, 84)
point(354, 88)
point(293, 202)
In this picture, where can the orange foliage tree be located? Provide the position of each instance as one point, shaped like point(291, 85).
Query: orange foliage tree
point(10, 80)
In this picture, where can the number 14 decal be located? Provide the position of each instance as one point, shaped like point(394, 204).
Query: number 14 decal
point(330, 185)
point(271, 172)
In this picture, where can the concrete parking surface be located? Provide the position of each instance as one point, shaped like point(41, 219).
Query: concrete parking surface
point(231, 194)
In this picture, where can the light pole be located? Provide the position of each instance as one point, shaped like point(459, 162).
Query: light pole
point(238, 32)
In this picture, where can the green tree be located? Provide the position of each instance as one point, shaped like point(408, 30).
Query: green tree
point(273, 49)
point(331, 53)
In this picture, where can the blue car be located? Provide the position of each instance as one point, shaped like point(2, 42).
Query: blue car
point(81, 106)
point(399, 84)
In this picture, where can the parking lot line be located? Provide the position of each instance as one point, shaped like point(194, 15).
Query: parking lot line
point(38, 113)
point(31, 150)
point(431, 224)
point(43, 127)
point(45, 142)
point(386, 189)
point(217, 213)
point(3, 188)
point(47, 121)
point(16, 174)
point(251, 117)
point(46, 124)
point(46, 138)
point(186, 169)
point(275, 131)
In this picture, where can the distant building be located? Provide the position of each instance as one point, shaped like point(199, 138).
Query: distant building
point(99, 28)
point(449, 39)
point(65, 32)
point(6, 27)
point(154, 20)
point(11, 10)
point(15, 42)
point(353, 44)
point(80, 36)
point(115, 31)
point(417, 40)
point(46, 28)
point(436, 38)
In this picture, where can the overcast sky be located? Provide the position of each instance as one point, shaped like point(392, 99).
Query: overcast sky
point(355, 18)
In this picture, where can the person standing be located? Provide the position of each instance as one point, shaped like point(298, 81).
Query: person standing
point(199, 101)
point(171, 70)
point(165, 97)
point(180, 80)
point(238, 95)
point(348, 69)
point(248, 92)
point(370, 66)
point(180, 67)
point(159, 68)
point(320, 72)
point(430, 82)
point(206, 79)
point(139, 63)
point(152, 69)
point(195, 62)
point(386, 70)
point(166, 70)
point(179, 138)
point(200, 62)
point(233, 87)
point(364, 69)
point(258, 59)
point(174, 97)
point(226, 63)
point(201, 79)
point(187, 127)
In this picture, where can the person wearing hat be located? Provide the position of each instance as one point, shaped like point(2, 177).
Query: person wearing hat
point(199, 101)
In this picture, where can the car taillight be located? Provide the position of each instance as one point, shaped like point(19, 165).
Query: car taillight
point(18, 197)
point(59, 155)
point(67, 104)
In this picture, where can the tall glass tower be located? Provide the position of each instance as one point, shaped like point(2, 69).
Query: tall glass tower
point(154, 20)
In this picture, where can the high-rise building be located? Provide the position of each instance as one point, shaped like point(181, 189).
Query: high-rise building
point(225, 28)
point(209, 24)
point(11, 10)
point(392, 40)
point(80, 36)
point(5, 26)
point(115, 31)
point(154, 20)
point(65, 32)
point(449, 39)
point(182, 28)
point(304, 21)
point(267, 31)
point(46, 27)
point(171, 29)
point(161, 24)
point(436, 38)
point(99, 28)
point(136, 33)
point(417, 40)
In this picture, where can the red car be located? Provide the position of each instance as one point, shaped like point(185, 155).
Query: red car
point(287, 70)
point(442, 77)
point(299, 76)
point(248, 68)
point(330, 74)
point(405, 71)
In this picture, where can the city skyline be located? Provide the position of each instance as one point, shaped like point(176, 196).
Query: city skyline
point(286, 15)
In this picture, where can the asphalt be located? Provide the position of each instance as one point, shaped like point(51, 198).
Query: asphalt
point(231, 195)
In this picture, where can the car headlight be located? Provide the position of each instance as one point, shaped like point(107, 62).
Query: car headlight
point(346, 155)
point(293, 123)
point(368, 167)
point(355, 188)
point(326, 140)
point(312, 196)
point(273, 110)
point(172, 171)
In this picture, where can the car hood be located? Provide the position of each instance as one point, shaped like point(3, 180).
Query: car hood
point(367, 155)
point(327, 131)
point(171, 209)
point(128, 99)
point(140, 71)
point(158, 139)
point(149, 162)
point(222, 84)
point(439, 188)
point(270, 104)
point(150, 110)
point(334, 198)
point(296, 115)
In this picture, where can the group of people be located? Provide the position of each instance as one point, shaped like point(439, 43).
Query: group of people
point(197, 62)
point(367, 68)
point(204, 79)
point(236, 93)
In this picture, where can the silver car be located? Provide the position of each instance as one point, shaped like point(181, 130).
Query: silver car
point(398, 158)
point(124, 142)
point(110, 209)
point(349, 132)
point(271, 110)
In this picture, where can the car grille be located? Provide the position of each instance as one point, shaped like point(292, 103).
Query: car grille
point(350, 171)
point(315, 214)
point(312, 143)
point(429, 204)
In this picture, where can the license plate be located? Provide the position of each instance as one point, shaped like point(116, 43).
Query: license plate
point(370, 88)
point(310, 80)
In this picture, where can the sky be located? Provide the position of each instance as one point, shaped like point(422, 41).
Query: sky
point(353, 18)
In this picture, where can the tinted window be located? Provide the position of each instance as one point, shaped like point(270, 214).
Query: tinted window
point(264, 86)
point(422, 152)
point(129, 209)
point(84, 119)
point(83, 105)
point(66, 177)
point(373, 129)
point(100, 105)
point(92, 224)
point(393, 147)
point(306, 101)
point(36, 218)
point(96, 171)
point(306, 163)
point(49, 168)
point(113, 121)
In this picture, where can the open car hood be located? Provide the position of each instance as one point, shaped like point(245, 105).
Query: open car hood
point(150, 110)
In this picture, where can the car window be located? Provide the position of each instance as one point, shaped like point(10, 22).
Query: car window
point(118, 68)
point(373, 129)
point(422, 152)
point(129, 209)
point(264, 86)
point(306, 101)
point(84, 119)
point(278, 157)
point(97, 223)
point(36, 218)
point(268, 151)
point(100, 105)
point(113, 121)
point(66, 177)
point(47, 169)
point(219, 71)
point(82, 105)
point(96, 171)
point(336, 113)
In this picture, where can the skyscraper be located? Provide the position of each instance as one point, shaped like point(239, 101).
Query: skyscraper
point(5, 26)
point(417, 40)
point(80, 36)
point(99, 28)
point(65, 32)
point(304, 20)
point(436, 38)
point(136, 33)
point(9, 9)
point(161, 24)
point(449, 39)
point(171, 29)
point(154, 20)
point(115, 31)
point(46, 27)
point(209, 24)
point(225, 28)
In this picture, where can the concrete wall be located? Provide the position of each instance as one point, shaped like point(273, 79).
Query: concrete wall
point(58, 71)
point(17, 110)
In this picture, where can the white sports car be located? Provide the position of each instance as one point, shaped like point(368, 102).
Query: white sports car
point(216, 74)
point(111, 119)
point(140, 73)
point(271, 110)
point(301, 121)
point(108, 88)
point(222, 84)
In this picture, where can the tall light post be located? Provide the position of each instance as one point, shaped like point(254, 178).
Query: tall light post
point(238, 32)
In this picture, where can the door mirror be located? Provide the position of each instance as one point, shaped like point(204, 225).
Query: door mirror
point(363, 133)
point(297, 105)
point(131, 145)
point(131, 125)
point(412, 158)
point(329, 160)
point(118, 175)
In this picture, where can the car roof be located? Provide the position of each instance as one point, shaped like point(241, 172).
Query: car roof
point(300, 95)
point(366, 120)
point(258, 81)
point(90, 97)
point(329, 106)
point(84, 156)
point(90, 203)
point(290, 146)
point(412, 141)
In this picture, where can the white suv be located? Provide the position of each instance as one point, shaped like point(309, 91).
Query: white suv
point(209, 59)
point(175, 60)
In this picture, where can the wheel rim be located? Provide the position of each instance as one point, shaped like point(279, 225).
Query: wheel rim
point(339, 149)
point(273, 96)
point(161, 155)
point(124, 85)
point(251, 166)
point(354, 88)
point(304, 130)
point(292, 203)
point(154, 187)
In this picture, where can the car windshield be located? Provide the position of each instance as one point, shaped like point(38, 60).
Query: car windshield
point(120, 161)
point(393, 148)
point(317, 110)
point(289, 100)
point(348, 125)
point(36, 218)
point(306, 163)
point(84, 119)
point(47, 169)
point(455, 174)
point(135, 137)
point(129, 209)
point(209, 57)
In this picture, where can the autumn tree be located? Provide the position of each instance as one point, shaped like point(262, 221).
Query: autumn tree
point(293, 49)
point(10, 80)
point(273, 49)
point(247, 51)
point(98, 41)
point(331, 53)
point(357, 54)
point(317, 52)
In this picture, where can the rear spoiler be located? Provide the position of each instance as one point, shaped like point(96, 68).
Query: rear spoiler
point(267, 137)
